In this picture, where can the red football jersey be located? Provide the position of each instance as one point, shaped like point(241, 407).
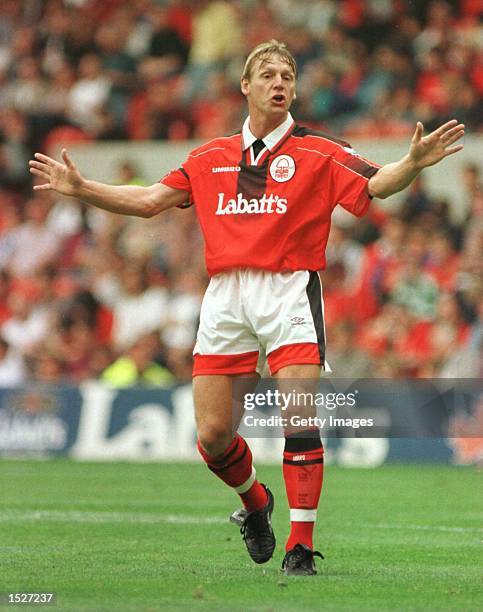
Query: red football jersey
point(272, 212)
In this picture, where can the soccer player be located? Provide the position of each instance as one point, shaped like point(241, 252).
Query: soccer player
point(264, 199)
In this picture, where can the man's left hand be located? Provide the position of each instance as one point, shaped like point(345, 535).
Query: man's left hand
point(429, 150)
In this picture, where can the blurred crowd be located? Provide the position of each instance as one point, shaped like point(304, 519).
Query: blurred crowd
point(404, 292)
point(86, 294)
point(83, 70)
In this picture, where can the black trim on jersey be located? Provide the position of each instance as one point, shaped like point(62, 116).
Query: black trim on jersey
point(357, 164)
point(260, 145)
point(304, 441)
point(301, 131)
point(302, 463)
point(252, 180)
point(314, 294)
point(186, 204)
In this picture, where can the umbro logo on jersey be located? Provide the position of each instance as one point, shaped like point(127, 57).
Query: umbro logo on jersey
point(282, 168)
point(268, 204)
point(226, 169)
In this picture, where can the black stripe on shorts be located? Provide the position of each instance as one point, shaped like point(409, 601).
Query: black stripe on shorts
point(314, 294)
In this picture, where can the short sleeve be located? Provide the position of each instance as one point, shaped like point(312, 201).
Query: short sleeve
point(179, 179)
point(350, 175)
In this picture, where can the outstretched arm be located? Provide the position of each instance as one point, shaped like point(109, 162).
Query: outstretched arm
point(66, 179)
point(424, 151)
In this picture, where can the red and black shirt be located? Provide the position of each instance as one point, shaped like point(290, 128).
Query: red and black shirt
point(271, 210)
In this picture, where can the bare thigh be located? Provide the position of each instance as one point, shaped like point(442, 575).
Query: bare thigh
point(218, 401)
point(304, 380)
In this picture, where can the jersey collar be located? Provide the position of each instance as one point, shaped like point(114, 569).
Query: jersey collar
point(270, 140)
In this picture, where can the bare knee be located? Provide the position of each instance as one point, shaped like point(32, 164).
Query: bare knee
point(213, 412)
point(214, 439)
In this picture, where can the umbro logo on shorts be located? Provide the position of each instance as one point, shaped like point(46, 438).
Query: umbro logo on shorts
point(297, 321)
point(299, 458)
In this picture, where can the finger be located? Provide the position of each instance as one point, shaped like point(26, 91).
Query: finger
point(458, 128)
point(39, 165)
point(454, 138)
point(43, 175)
point(452, 150)
point(46, 159)
point(446, 126)
point(42, 187)
point(68, 162)
point(418, 132)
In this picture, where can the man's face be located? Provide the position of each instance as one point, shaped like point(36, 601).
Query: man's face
point(271, 86)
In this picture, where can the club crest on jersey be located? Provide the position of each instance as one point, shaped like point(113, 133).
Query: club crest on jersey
point(282, 168)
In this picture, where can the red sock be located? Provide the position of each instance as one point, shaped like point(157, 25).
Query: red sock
point(235, 468)
point(303, 469)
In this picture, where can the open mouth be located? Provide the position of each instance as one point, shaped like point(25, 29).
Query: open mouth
point(279, 98)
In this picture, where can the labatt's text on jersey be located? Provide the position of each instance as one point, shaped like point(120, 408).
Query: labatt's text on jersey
point(266, 204)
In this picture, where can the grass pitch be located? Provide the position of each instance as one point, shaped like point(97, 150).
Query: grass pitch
point(156, 537)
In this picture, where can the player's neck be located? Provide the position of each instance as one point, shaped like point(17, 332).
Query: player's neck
point(262, 125)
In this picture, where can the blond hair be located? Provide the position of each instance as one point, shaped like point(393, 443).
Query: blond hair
point(264, 51)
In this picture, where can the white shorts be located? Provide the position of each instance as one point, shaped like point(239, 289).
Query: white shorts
point(245, 311)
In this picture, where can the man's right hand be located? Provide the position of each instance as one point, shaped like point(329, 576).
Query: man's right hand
point(64, 178)
point(135, 200)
